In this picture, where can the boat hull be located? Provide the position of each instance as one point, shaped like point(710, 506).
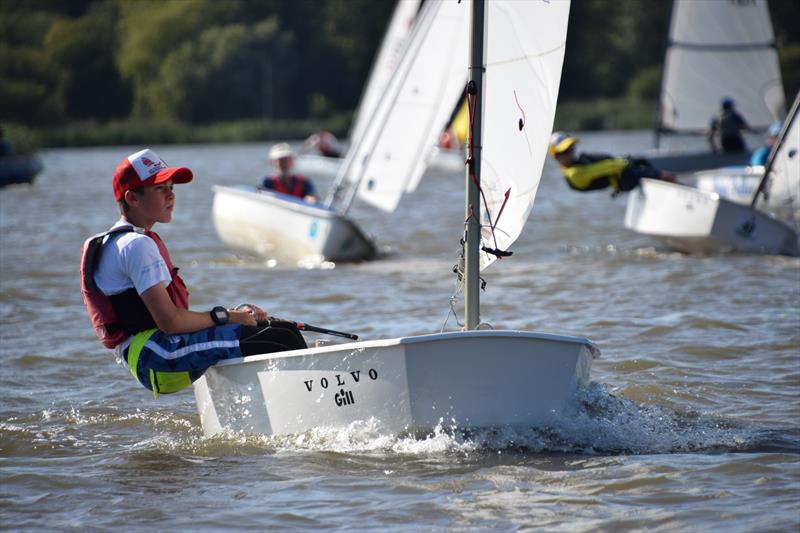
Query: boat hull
point(18, 169)
point(285, 228)
point(737, 184)
point(694, 221)
point(464, 379)
point(682, 162)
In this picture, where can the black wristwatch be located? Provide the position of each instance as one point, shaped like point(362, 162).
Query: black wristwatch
point(219, 315)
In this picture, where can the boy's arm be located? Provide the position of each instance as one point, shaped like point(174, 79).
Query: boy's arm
point(171, 319)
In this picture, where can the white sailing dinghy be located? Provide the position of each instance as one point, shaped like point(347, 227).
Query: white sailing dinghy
point(691, 220)
point(466, 379)
point(716, 49)
point(278, 226)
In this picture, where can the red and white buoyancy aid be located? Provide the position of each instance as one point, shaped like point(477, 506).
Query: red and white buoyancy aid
point(113, 317)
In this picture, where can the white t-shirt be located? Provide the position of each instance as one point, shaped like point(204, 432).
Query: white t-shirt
point(130, 260)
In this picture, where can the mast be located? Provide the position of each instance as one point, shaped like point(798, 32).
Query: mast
point(787, 125)
point(472, 241)
point(662, 80)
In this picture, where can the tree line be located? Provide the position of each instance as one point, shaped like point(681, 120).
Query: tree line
point(206, 61)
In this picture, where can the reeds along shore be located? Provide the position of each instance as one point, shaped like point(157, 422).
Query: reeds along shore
point(605, 114)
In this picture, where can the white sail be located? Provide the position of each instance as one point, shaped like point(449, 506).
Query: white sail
point(525, 46)
point(720, 49)
point(783, 182)
point(392, 47)
point(397, 38)
point(393, 152)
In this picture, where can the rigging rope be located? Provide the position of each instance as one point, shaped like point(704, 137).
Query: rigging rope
point(471, 94)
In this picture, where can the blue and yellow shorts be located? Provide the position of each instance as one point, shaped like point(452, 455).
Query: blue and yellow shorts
point(168, 363)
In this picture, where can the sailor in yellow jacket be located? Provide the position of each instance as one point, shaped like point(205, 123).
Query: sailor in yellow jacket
point(591, 172)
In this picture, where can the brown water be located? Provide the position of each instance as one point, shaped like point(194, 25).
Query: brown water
point(692, 420)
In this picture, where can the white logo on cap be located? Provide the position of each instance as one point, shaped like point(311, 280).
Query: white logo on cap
point(146, 163)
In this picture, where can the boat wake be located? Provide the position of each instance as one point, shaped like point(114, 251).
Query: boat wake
point(599, 424)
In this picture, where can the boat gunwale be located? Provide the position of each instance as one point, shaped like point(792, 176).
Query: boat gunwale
point(416, 339)
point(280, 200)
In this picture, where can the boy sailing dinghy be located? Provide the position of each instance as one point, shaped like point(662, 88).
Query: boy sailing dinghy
point(691, 220)
point(278, 226)
point(716, 49)
point(466, 379)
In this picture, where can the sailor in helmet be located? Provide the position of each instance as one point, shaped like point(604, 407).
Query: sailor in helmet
point(591, 172)
point(283, 180)
point(729, 124)
point(761, 154)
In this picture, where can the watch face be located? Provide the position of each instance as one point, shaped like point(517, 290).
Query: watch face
point(220, 315)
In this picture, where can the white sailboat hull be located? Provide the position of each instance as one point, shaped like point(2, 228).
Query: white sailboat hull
point(282, 227)
point(737, 184)
point(694, 221)
point(464, 379)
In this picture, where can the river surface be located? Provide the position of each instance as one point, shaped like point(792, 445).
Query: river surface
point(691, 421)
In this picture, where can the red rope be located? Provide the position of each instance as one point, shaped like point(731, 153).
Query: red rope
point(472, 101)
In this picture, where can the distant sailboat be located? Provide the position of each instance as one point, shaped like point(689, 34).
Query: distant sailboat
point(464, 379)
point(16, 169)
point(277, 226)
point(717, 49)
point(693, 220)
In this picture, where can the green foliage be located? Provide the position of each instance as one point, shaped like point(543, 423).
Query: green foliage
point(646, 85)
point(229, 72)
point(81, 50)
point(24, 139)
point(229, 68)
point(608, 41)
point(150, 31)
point(605, 114)
point(320, 106)
point(136, 131)
point(21, 27)
point(29, 91)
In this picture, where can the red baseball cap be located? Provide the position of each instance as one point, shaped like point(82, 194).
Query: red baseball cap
point(146, 169)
